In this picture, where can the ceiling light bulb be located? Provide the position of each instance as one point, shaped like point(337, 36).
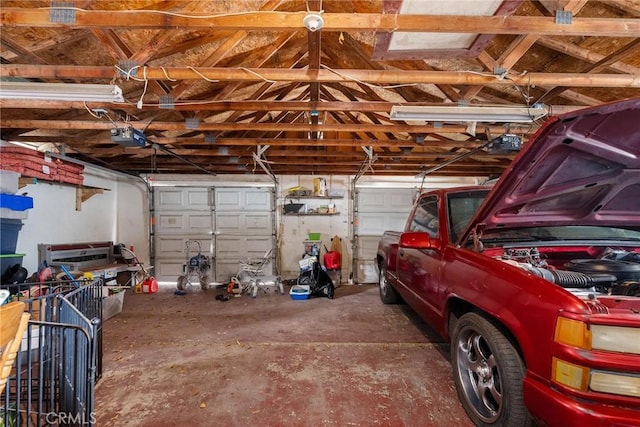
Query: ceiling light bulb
point(313, 21)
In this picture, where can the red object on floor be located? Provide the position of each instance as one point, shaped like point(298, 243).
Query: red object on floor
point(150, 285)
point(332, 260)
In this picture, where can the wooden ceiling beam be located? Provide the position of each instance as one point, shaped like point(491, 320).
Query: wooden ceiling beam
point(269, 127)
point(325, 76)
point(293, 21)
point(585, 55)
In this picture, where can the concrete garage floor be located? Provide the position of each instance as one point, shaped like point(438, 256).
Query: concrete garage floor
point(271, 361)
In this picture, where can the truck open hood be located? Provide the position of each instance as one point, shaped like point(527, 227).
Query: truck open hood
point(580, 168)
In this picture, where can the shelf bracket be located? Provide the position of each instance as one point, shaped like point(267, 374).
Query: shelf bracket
point(83, 194)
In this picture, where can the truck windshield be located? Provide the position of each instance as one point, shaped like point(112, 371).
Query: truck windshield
point(461, 208)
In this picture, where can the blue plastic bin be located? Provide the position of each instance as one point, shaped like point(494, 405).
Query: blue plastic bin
point(9, 229)
point(15, 202)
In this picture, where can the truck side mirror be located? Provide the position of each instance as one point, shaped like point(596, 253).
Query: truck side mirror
point(417, 240)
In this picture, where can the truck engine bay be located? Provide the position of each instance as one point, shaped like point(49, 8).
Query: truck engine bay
point(586, 272)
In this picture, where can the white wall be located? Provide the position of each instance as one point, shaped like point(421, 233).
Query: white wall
point(294, 229)
point(120, 215)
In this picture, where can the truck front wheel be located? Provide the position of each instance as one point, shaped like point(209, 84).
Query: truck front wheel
point(488, 372)
point(388, 295)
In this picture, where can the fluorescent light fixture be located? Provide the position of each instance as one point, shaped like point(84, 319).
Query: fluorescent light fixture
point(61, 92)
point(468, 113)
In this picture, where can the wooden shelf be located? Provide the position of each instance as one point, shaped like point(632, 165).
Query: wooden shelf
point(83, 192)
point(312, 214)
point(313, 197)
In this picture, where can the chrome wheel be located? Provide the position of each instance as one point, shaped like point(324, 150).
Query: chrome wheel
point(488, 372)
point(388, 295)
point(479, 375)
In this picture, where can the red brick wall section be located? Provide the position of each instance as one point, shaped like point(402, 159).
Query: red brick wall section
point(33, 164)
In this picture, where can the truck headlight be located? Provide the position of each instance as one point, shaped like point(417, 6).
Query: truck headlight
point(608, 382)
point(577, 333)
point(616, 338)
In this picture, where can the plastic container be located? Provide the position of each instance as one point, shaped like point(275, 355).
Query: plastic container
point(314, 236)
point(11, 214)
point(9, 229)
point(150, 285)
point(300, 292)
point(9, 260)
point(9, 181)
point(332, 260)
point(17, 203)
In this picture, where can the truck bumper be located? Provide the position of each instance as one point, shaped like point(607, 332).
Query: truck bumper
point(553, 408)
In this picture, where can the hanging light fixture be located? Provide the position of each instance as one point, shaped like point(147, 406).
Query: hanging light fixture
point(468, 113)
point(313, 21)
point(61, 92)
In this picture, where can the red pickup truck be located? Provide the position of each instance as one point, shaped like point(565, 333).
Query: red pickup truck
point(536, 280)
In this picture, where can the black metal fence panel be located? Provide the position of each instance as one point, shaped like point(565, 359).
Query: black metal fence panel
point(58, 365)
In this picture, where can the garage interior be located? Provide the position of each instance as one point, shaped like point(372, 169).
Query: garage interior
point(264, 129)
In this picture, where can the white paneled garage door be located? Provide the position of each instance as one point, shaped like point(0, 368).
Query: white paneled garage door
point(377, 210)
point(244, 227)
point(229, 223)
point(181, 214)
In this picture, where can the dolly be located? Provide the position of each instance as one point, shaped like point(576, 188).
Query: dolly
point(198, 265)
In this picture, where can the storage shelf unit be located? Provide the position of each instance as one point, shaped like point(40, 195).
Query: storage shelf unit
point(289, 197)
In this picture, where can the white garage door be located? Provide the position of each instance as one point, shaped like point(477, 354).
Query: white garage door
point(377, 210)
point(181, 214)
point(229, 223)
point(245, 227)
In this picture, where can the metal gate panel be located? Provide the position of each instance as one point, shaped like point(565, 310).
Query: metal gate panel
point(378, 210)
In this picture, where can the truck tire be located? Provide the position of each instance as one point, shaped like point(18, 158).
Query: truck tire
point(388, 295)
point(488, 373)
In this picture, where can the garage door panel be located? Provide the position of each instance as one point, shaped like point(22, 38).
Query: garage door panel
point(372, 223)
point(170, 222)
point(231, 223)
point(185, 222)
point(168, 270)
point(226, 268)
point(168, 199)
point(242, 247)
point(367, 247)
point(257, 200)
point(367, 272)
point(243, 199)
point(175, 246)
point(198, 199)
point(379, 209)
point(244, 222)
point(176, 198)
